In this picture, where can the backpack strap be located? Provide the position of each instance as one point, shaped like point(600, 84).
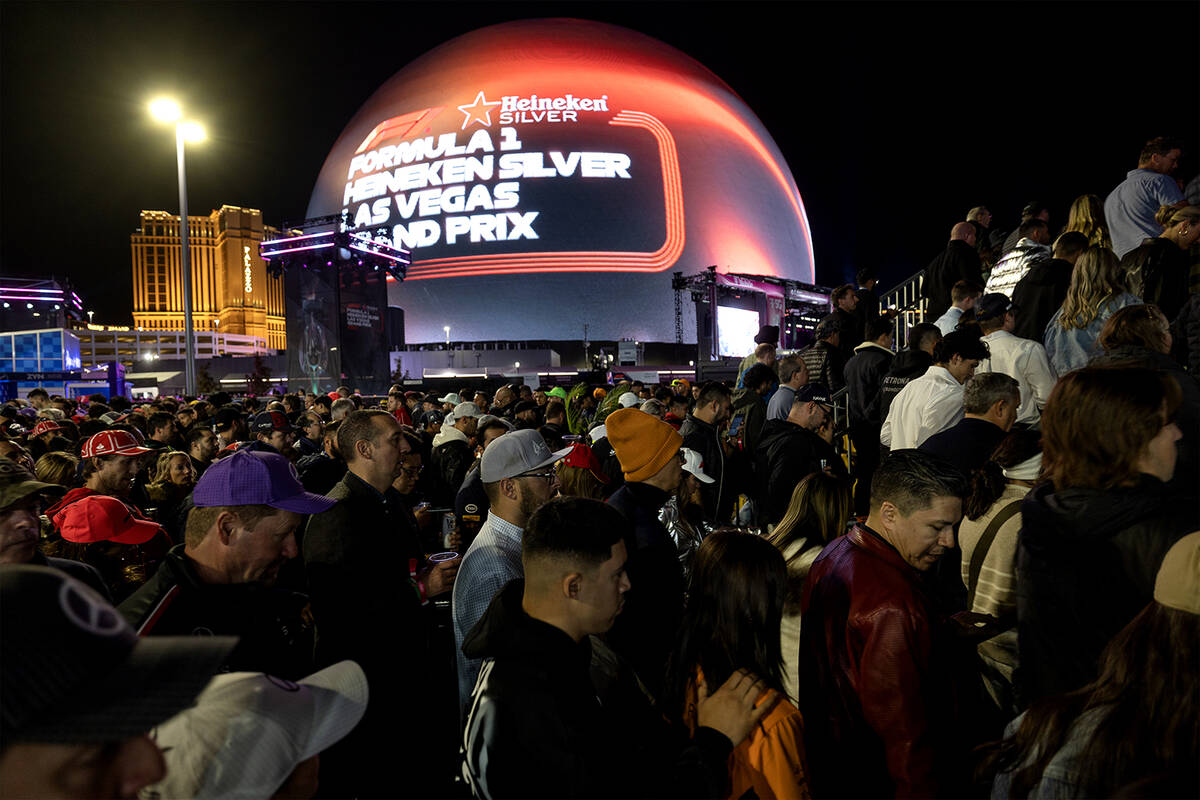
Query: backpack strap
point(984, 544)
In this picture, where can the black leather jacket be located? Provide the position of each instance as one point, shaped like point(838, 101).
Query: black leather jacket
point(268, 621)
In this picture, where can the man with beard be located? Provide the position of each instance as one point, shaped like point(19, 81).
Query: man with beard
point(701, 432)
point(98, 522)
point(220, 581)
point(517, 471)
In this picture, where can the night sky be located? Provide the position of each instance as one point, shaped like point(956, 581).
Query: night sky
point(895, 119)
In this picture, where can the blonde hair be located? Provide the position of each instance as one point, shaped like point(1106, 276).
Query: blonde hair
point(1169, 216)
point(1096, 279)
point(162, 467)
point(818, 511)
point(59, 468)
point(1087, 217)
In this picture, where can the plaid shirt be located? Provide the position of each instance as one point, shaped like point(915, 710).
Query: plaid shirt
point(493, 560)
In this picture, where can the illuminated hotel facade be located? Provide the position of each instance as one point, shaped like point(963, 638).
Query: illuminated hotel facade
point(231, 292)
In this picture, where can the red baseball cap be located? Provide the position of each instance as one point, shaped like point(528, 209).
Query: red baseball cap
point(107, 443)
point(101, 518)
point(582, 456)
point(45, 426)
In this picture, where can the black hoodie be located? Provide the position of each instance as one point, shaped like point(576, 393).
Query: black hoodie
point(1087, 560)
point(551, 717)
point(1038, 295)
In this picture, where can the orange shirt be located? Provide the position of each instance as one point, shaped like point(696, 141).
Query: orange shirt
point(771, 760)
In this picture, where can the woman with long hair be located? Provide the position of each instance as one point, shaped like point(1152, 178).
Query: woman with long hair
point(731, 622)
point(1159, 269)
point(997, 489)
point(1135, 730)
point(1087, 216)
point(1094, 530)
point(1141, 335)
point(818, 512)
point(172, 480)
point(1097, 291)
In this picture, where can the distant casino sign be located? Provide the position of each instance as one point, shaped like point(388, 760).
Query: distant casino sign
point(589, 154)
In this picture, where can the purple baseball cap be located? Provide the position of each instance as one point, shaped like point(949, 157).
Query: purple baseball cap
point(255, 477)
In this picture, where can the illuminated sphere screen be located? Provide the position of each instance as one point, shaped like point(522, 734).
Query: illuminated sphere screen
point(550, 174)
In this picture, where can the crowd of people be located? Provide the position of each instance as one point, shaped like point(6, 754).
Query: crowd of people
point(968, 566)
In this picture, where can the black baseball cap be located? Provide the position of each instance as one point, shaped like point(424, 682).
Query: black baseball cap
point(72, 670)
point(995, 304)
point(225, 417)
point(269, 421)
point(814, 393)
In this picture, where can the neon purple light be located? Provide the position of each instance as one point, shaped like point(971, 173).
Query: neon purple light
point(298, 238)
point(297, 249)
point(21, 289)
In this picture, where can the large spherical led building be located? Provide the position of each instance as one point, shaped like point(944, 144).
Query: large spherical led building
point(547, 174)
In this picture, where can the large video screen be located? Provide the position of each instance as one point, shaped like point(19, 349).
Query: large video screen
point(547, 174)
point(736, 329)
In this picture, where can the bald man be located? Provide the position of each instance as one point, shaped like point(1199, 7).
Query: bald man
point(958, 262)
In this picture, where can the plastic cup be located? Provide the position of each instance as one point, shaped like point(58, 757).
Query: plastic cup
point(445, 555)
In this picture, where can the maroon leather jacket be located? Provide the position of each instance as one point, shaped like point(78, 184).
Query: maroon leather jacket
point(876, 675)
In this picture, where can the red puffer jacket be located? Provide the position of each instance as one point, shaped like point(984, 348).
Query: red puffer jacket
point(877, 676)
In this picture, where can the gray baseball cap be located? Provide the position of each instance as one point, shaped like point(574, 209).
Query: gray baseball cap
point(516, 453)
point(465, 410)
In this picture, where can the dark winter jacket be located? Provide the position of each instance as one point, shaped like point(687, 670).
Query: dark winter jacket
point(552, 717)
point(645, 630)
point(451, 460)
point(825, 364)
point(967, 445)
point(907, 365)
point(705, 439)
point(864, 375)
point(958, 262)
point(1186, 330)
point(1087, 559)
point(787, 453)
point(366, 608)
point(1038, 295)
point(1157, 271)
point(319, 472)
point(850, 332)
point(272, 637)
point(752, 407)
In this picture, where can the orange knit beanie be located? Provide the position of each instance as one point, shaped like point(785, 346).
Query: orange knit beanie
point(643, 443)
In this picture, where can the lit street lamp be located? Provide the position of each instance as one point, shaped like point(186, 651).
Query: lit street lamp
point(165, 110)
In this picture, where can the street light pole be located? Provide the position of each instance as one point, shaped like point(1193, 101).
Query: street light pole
point(167, 110)
point(185, 263)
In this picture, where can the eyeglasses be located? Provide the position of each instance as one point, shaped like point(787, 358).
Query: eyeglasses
point(547, 476)
point(412, 471)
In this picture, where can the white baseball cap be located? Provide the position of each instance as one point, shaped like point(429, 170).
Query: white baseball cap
point(248, 732)
point(449, 398)
point(628, 399)
point(694, 464)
